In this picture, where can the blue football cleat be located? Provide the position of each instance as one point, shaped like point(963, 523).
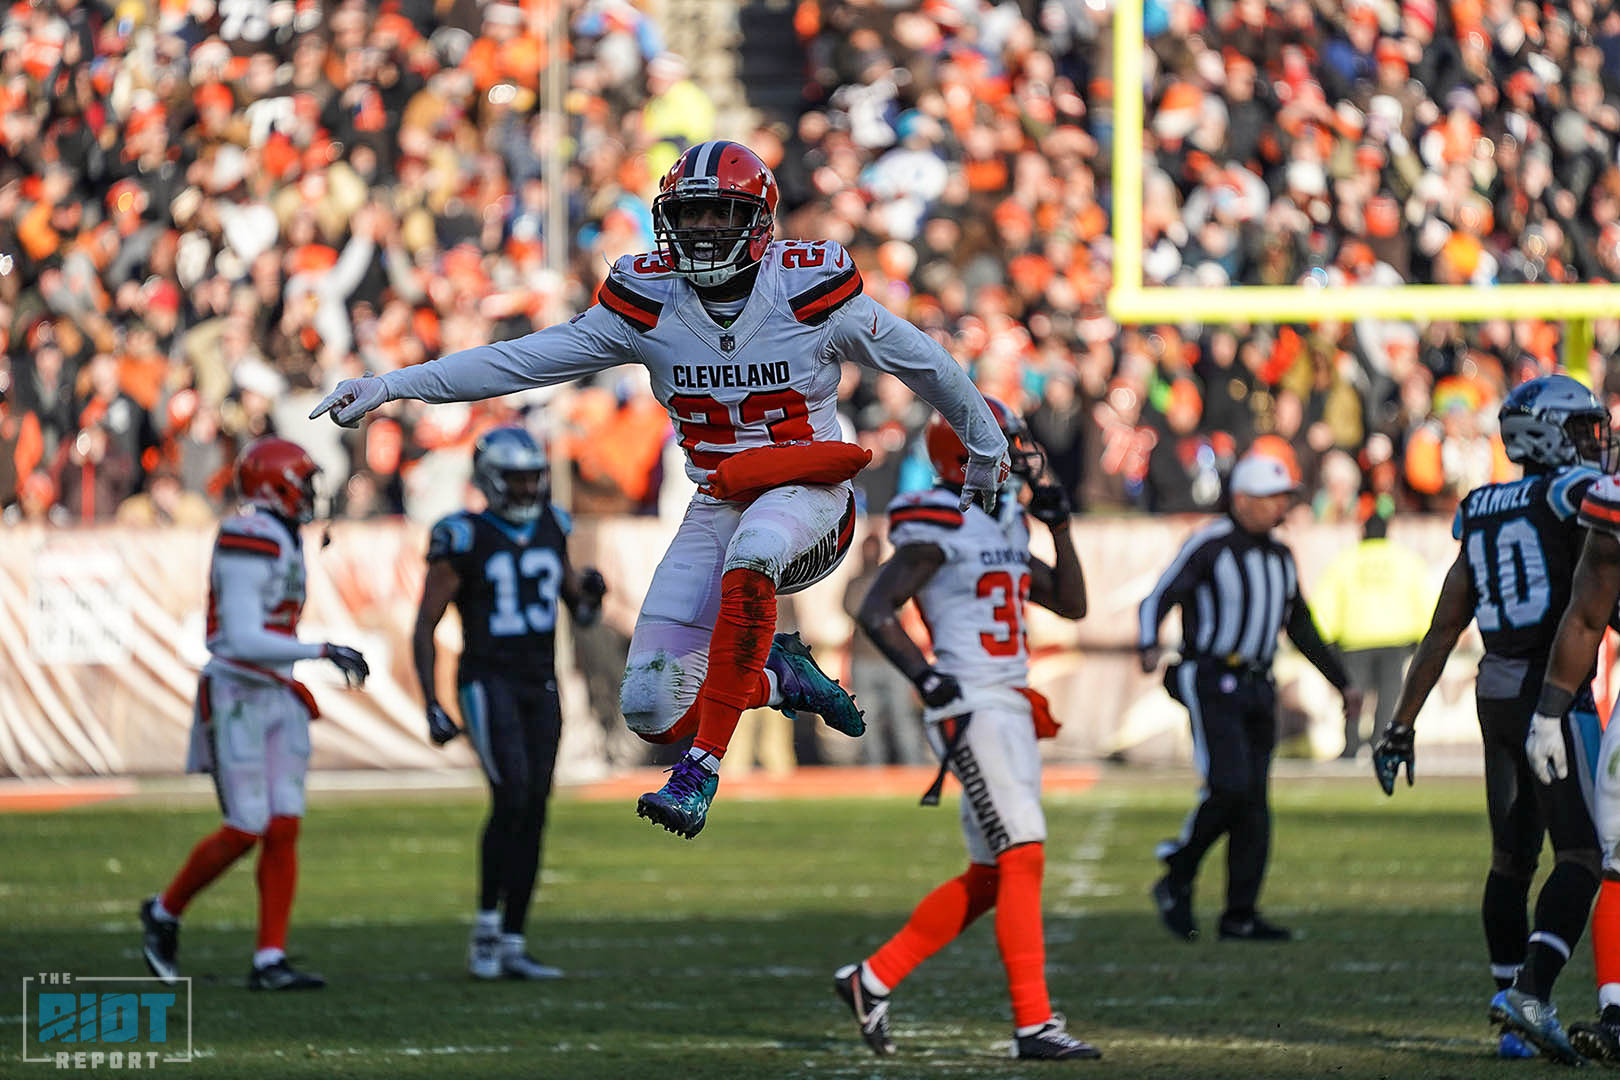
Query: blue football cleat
point(1511, 1047)
point(682, 804)
point(805, 686)
point(1536, 1022)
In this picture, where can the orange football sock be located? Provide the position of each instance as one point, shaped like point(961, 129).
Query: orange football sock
point(211, 857)
point(1606, 933)
point(1018, 932)
point(278, 877)
point(737, 653)
point(935, 923)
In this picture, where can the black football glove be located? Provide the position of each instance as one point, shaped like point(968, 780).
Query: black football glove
point(938, 688)
point(1391, 749)
point(349, 661)
point(591, 585)
point(1049, 505)
point(441, 729)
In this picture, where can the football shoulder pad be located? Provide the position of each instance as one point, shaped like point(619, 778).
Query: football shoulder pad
point(451, 536)
point(818, 277)
point(1568, 487)
point(252, 532)
point(637, 289)
point(921, 512)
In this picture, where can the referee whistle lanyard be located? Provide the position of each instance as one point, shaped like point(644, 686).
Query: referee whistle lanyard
point(958, 726)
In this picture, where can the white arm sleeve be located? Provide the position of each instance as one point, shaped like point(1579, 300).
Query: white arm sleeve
point(868, 333)
point(591, 341)
point(242, 636)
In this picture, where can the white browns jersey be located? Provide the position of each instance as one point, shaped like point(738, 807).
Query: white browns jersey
point(763, 379)
point(769, 377)
point(1600, 510)
point(266, 635)
point(974, 604)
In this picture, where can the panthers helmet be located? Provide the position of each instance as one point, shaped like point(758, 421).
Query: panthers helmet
point(510, 468)
point(949, 455)
point(279, 476)
point(1553, 421)
point(731, 179)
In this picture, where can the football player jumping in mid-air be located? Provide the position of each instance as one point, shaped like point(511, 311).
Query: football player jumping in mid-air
point(251, 722)
point(1591, 610)
point(743, 338)
point(1512, 575)
point(505, 570)
point(970, 573)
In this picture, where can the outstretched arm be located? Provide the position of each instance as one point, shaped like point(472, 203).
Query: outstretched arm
point(869, 334)
point(591, 341)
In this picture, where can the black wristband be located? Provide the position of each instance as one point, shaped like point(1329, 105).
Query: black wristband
point(1554, 700)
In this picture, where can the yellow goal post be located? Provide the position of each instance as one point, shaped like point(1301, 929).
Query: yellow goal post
point(1132, 303)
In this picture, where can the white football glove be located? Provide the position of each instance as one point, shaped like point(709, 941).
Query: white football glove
point(1545, 748)
point(352, 399)
point(981, 479)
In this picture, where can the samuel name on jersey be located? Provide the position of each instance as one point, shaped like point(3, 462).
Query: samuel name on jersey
point(511, 579)
point(1521, 540)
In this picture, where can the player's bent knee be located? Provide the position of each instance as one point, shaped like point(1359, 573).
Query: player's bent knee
point(1511, 865)
point(764, 551)
point(254, 820)
point(1588, 859)
point(644, 695)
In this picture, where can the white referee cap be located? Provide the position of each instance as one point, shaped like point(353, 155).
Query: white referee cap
point(1261, 475)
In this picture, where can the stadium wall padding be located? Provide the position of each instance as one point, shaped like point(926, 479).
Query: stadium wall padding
point(101, 639)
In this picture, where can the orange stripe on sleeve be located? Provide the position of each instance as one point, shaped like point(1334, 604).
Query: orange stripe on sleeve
point(251, 545)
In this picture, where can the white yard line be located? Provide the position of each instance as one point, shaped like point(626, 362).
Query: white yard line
point(1073, 876)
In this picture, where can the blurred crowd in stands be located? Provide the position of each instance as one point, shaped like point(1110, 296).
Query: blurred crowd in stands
point(210, 210)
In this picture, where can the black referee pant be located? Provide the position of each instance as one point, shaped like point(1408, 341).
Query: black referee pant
point(1234, 726)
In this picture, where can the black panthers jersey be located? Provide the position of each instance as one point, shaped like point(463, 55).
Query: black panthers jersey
point(511, 583)
point(1521, 541)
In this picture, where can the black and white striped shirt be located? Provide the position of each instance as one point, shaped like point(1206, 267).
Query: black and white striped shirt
point(1237, 590)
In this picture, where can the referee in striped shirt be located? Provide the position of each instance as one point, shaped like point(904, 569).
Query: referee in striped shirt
point(1237, 587)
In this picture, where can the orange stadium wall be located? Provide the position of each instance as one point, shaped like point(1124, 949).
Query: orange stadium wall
point(101, 638)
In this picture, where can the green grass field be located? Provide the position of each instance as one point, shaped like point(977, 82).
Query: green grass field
point(711, 958)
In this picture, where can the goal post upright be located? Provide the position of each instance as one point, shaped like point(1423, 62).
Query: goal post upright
point(1132, 302)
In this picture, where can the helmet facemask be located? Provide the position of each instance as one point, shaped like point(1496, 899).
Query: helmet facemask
point(305, 512)
point(517, 494)
point(710, 236)
point(1593, 440)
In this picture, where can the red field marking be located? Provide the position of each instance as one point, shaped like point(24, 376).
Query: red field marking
point(39, 796)
point(823, 783)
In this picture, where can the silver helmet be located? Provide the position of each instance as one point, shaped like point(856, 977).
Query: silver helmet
point(1553, 421)
point(510, 468)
